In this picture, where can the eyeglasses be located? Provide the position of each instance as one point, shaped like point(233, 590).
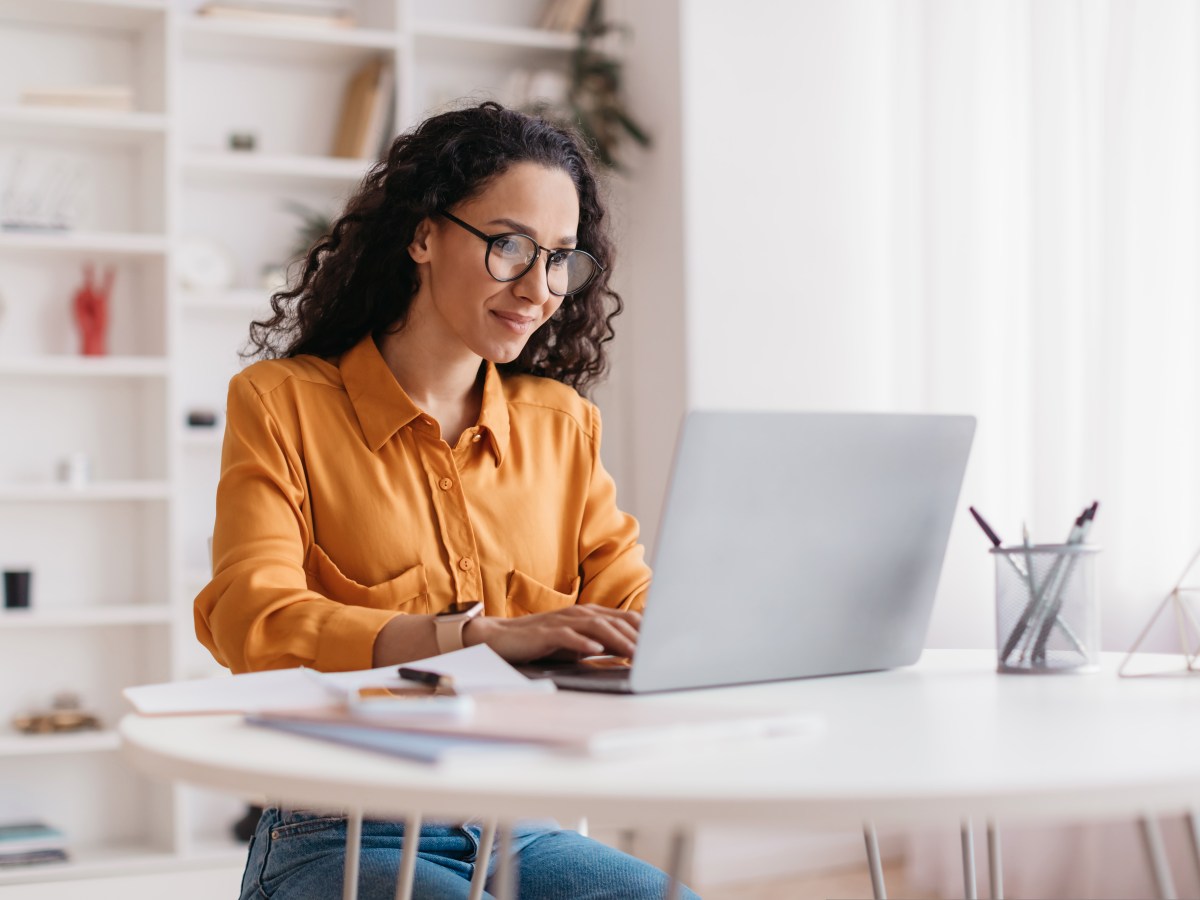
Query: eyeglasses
point(510, 255)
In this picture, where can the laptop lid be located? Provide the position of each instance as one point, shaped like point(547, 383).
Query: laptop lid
point(798, 544)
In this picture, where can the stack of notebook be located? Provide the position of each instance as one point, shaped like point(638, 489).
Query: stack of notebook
point(24, 843)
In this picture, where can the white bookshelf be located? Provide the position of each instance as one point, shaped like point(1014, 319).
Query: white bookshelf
point(83, 243)
point(113, 491)
point(100, 741)
point(63, 366)
point(118, 561)
point(232, 165)
point(87, 616)
point(82, 125)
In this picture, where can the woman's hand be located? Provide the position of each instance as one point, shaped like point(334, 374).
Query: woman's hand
point(573, 632)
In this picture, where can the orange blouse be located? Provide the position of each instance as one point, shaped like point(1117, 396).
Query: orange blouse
point(340, 506)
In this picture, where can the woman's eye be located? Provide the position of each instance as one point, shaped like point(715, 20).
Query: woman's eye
point(508, 246)
point(559, 259)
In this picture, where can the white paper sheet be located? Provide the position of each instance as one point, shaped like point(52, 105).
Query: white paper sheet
point(475, 670)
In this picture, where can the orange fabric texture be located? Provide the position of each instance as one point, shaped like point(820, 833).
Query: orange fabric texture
point(340, 506)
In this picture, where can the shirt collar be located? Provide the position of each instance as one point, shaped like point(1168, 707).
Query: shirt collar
point(383, 407)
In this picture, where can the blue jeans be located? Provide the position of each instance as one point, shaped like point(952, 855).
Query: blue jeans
point(298, 855)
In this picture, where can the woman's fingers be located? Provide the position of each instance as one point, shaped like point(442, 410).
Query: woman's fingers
point(608, 633)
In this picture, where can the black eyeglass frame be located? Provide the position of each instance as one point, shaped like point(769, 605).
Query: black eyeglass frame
point(491, 239)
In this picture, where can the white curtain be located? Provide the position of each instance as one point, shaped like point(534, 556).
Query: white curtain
point(1045, 235)
point(1046, 227)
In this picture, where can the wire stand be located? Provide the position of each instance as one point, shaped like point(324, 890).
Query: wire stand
point(1187, 624)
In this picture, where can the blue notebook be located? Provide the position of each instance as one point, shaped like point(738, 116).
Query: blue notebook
point(428, 748)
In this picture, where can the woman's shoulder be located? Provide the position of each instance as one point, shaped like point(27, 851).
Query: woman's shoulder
point(267, 375)
point(535, 395)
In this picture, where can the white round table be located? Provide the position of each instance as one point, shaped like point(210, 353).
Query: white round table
point(946, 739)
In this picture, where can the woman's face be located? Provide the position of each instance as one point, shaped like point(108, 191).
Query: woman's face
point(467, 307)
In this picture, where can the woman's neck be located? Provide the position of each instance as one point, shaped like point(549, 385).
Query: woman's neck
point(449, 390)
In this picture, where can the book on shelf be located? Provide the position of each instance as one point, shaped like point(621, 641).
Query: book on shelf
point(116, 97)
point(291, 12)
point(365, 112)
point(25, 843)
point(565, 15)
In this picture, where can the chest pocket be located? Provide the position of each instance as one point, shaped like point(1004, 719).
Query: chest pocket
point(527, 596)
point(407, 592)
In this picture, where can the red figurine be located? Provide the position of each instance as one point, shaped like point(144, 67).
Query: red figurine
point(91, 310)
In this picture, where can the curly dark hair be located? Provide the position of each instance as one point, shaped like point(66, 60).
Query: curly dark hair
point(360, 279)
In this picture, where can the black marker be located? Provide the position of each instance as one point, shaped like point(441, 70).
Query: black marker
point(440, 684)
point(987, 529)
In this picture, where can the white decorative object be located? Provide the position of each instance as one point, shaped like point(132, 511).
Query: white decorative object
point(1186, 621)
point(204, 265)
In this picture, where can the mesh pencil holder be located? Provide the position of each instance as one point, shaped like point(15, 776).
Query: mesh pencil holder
point(1047, 613)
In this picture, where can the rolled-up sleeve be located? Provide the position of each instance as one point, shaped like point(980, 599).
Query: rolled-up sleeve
point(259, 611)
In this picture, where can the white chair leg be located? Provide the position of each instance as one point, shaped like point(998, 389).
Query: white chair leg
point(408, 856)
point(505, 887)
point(968, 858)
point(482, 859)
point(995, 866)
point(1193, 828)
point(874, 864)
point(353, 848)
point(680, 861)
point(1157, 855)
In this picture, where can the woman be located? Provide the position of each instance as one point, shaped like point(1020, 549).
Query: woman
point(415, 444)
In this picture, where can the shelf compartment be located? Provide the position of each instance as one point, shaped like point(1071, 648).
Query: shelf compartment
point(118, 14)
point(86, 367)
point(122, 860)
point(84, 243)
point(254, 301)
point(87, 616)
point(122, 128)
point(509, 37)
point(213, 164)
point(102, 741)
point(202, 438)
point(115, 491)
point(293, 43)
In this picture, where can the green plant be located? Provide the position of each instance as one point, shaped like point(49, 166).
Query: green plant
point(314, 224)
point(595, 103)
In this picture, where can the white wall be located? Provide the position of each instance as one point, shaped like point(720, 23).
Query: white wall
point(650, 370)
point(786, 192)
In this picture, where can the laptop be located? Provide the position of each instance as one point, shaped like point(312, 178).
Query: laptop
point(792, 545)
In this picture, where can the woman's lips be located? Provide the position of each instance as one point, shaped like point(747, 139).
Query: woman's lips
point(515, 322)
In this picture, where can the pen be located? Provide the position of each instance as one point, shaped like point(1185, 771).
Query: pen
point(1079, 533)
point(995, 539)
point(430, 679)
point(1052, 580)
point(987, 529)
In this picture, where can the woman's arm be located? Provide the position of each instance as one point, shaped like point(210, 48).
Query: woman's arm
point(259, 611)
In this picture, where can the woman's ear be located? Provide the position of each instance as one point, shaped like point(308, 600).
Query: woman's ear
point(418, 248)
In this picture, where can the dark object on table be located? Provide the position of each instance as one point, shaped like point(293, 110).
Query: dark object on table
point(17, 584)
point(243, 828)
point(201, 418)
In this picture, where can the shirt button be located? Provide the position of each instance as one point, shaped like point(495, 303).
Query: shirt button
point(465, 564)
point(445, 484)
